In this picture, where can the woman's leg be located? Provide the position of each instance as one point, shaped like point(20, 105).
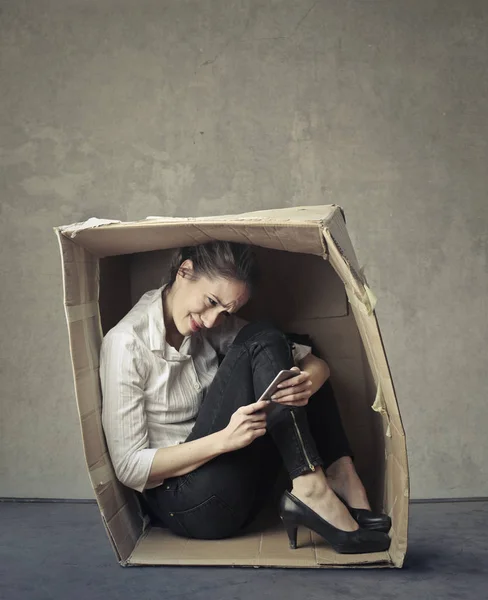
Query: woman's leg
point(333, 446)
point(257, 354)
point(332, 443)
point(215, 500)
point(212, 502)
point(326, 426)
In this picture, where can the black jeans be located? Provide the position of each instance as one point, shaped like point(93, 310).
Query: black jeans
point(217, 499)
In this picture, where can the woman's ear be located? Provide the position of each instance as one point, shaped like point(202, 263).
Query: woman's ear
point(186, 269)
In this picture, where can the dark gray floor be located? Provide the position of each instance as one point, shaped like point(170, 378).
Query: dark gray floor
point(51, 551)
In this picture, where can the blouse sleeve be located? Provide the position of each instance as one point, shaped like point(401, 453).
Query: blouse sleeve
point(122, 376)
point(300, 351)
point(222, 337)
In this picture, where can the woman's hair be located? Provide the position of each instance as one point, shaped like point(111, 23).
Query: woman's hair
point(227, 260)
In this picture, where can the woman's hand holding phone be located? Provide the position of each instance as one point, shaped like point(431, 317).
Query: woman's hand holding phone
point(245, 425)
point(249, 422)
point(295, 391)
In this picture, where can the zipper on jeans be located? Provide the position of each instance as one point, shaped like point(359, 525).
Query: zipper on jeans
point(311, 467)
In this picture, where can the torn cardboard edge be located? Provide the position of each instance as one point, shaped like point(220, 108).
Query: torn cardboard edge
point(268, 228)
point(106, 241)
point(306, 214)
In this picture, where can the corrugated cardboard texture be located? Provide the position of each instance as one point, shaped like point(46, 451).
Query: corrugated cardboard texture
point(267, 549)
point(317, 300)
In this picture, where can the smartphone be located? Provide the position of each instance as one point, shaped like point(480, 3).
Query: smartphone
point(273, 387)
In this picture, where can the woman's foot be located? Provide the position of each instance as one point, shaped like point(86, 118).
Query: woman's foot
point(314, 491)
point(294, 513)
point(345, 482)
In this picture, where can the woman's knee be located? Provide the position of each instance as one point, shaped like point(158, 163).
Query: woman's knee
point(264, 331)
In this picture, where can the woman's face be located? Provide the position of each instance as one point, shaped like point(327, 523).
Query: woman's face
point(205, 302)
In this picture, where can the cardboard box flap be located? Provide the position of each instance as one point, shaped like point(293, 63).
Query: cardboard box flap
point(117, 504)
point(362, 302)
point(294, 230)
point(321, 213)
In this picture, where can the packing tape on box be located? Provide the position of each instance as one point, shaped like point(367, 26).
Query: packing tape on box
point(379, 406)
point(81, 312)
point(366, 303)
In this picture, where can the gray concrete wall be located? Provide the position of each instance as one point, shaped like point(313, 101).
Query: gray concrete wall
point(123, 109)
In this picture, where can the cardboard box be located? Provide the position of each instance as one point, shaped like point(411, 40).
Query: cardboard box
point(306, 254)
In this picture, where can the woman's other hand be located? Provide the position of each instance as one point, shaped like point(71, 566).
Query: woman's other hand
point(245, 425)
point(295, 391)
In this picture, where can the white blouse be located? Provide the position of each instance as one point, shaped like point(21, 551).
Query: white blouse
point(152, 392)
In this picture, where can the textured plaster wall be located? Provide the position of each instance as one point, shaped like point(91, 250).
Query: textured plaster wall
point(125, 109)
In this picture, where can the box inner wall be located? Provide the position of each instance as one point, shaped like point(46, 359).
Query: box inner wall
point(303, 294)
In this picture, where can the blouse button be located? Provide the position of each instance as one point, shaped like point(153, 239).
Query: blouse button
point(198, 387)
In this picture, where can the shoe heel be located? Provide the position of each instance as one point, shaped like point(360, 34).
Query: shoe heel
point(291, 530)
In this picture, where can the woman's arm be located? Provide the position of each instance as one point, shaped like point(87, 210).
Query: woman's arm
point(123, 377)
point(317, 369)
point(186, 457)
point(245, 425)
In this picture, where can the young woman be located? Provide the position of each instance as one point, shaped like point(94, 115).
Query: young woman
point(189, 434)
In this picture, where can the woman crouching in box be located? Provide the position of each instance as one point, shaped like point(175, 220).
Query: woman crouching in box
point(192, 435)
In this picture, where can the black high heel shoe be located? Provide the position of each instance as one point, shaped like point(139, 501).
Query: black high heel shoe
point(293, 513)
point(367, 519)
